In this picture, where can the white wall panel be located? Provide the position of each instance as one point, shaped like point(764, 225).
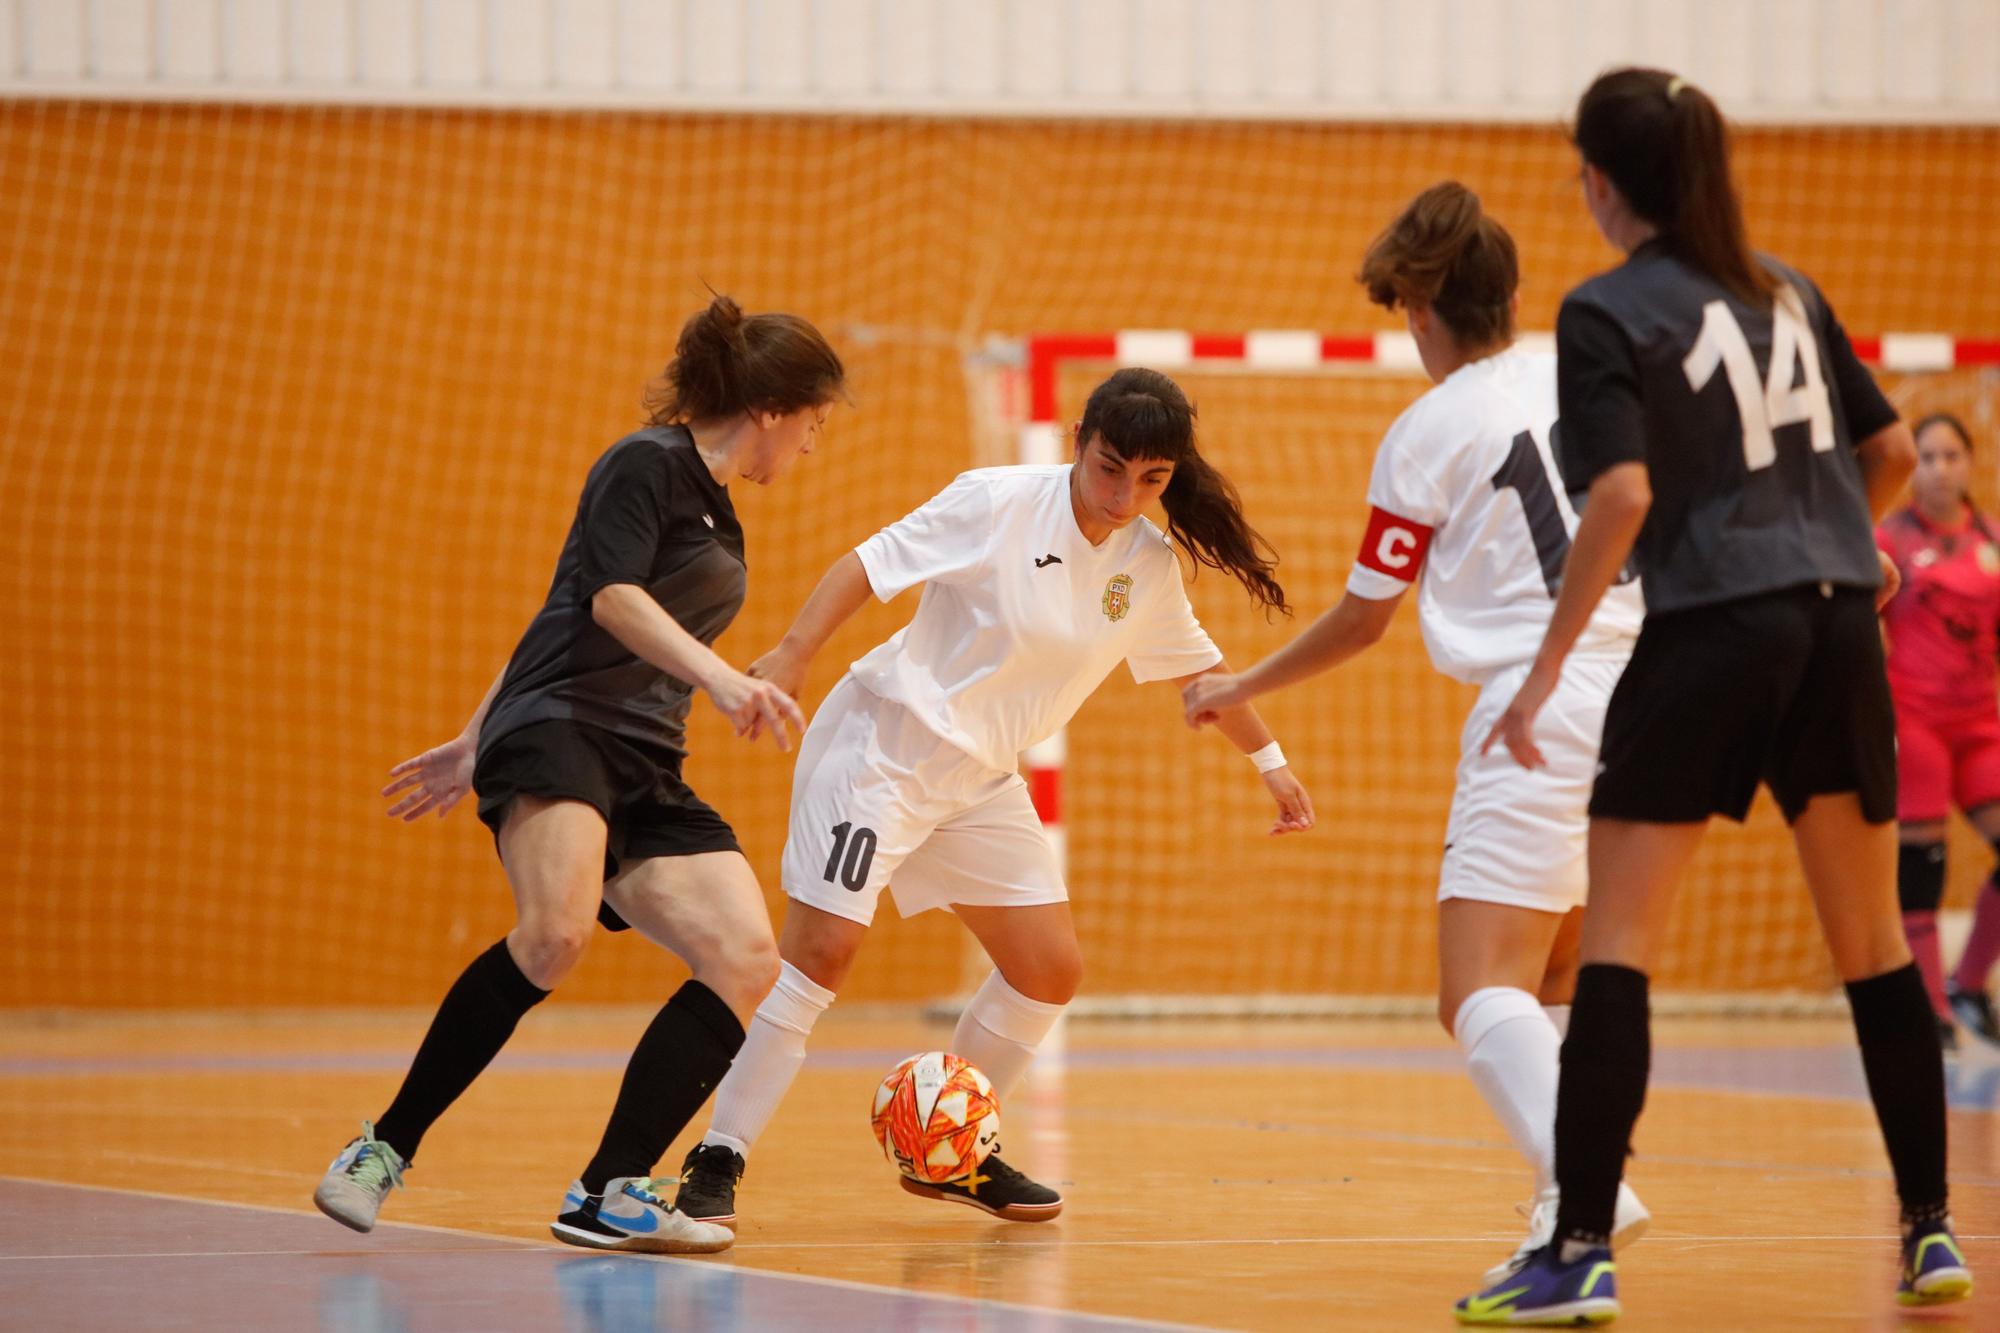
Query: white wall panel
point(453, 43)
point(1728, 53)
point(1097, 50)
point(1352, 44)
point(253, 41)
point(54, 44)
point(187, 41)
point(1163, 50)
point(519, 51)
point(1538, 50)
point(717, 47)
point(1599, 35)
point(1853, 51)
point(386, 46)
point(10, 46)
point(583, 33)
point(1973, 70)
point(1287, 54)
point(1792, 51)
point(1412, 55)
point(971, 47)
point(121, 39)
point(845, 46)
point(1913, 43)
point(1225, 75)
point(778, 48)
point(319, 44)
point(650, 49)
point(1034, 48)
point(1892, 61)
point(1662, 36)
point(1476, 41)
point(907, 33)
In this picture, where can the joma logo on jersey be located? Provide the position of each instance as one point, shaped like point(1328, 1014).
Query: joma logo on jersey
point(1118, 597)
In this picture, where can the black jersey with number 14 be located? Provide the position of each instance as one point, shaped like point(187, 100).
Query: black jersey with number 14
point(1745, 418)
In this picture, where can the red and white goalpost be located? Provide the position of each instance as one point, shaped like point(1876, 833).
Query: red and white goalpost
point(1283, 351)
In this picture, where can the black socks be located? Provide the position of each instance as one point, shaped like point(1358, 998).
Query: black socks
point(1605, 1061)
point(478, 1015)
point(677, 1063)
point(1899, 1053)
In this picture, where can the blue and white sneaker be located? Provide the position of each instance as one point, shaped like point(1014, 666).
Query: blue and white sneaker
point(631, 1216)
point(1934, 1268)
point(1545, 1290)
point(353, 1188)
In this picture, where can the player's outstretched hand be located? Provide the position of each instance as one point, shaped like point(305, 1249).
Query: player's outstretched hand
point(756, 706)
point(1295, 807)
point(1516, 727)
point(435, 780)
point(1892, 580)
point(1206, 696)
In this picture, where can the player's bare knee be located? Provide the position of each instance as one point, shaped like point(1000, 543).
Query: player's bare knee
point(744, 974)
point(1050, 980)
point(547, 949)
point(823, 959)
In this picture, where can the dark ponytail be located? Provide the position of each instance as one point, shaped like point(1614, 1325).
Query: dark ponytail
point(1945, 419)
point(1142, 414)
point(1444, 252)
point(1664, 144)
point(727, 362)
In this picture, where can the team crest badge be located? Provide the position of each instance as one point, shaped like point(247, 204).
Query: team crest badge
point(1118, 597)
point(1989, 558)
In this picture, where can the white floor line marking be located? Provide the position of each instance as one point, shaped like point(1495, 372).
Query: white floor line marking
point(711, 1264)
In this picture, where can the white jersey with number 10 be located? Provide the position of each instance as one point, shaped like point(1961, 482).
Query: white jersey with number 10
point(1466, 496)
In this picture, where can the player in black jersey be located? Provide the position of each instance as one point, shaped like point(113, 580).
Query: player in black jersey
point(575, 753)
point(1728, 437)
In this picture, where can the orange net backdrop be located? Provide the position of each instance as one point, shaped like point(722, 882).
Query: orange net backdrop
point(296, 402)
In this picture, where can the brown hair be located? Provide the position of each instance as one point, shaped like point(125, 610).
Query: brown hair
point(1664, 144)
point(1949, 420)
point(728, 362)
point(1141, 414)
point(1442, 251)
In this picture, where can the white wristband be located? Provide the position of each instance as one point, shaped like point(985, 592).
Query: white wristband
point(1268, 758)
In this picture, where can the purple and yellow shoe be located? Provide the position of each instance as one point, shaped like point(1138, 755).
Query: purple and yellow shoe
point(1547, 1291)
point(1934, 1268)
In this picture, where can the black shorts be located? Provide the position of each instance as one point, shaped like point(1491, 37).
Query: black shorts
point(1785, 688)
point(647, 809)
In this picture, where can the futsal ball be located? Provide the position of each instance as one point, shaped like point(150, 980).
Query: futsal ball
point(936, 1117)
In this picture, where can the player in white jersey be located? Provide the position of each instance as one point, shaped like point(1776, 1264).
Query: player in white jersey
point(1037, 582)
point(1467, 505)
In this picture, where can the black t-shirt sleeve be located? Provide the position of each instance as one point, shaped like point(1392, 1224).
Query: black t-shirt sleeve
point(1597, 395)
point(620, 516)
point(1861, 399)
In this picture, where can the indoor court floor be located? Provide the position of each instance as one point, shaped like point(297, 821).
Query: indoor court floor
point(1271, 1175)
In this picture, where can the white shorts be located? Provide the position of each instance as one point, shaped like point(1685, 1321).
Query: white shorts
point(1519, 836)
point(879, 800)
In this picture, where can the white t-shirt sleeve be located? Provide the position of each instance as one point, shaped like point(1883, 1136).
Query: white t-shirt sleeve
point(1175, 644)
point(943, 540)
point(1405, 508)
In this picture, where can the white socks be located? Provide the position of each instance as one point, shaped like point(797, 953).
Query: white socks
point(1515, 1057)
point(763, 1070)
point(999, 1031)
